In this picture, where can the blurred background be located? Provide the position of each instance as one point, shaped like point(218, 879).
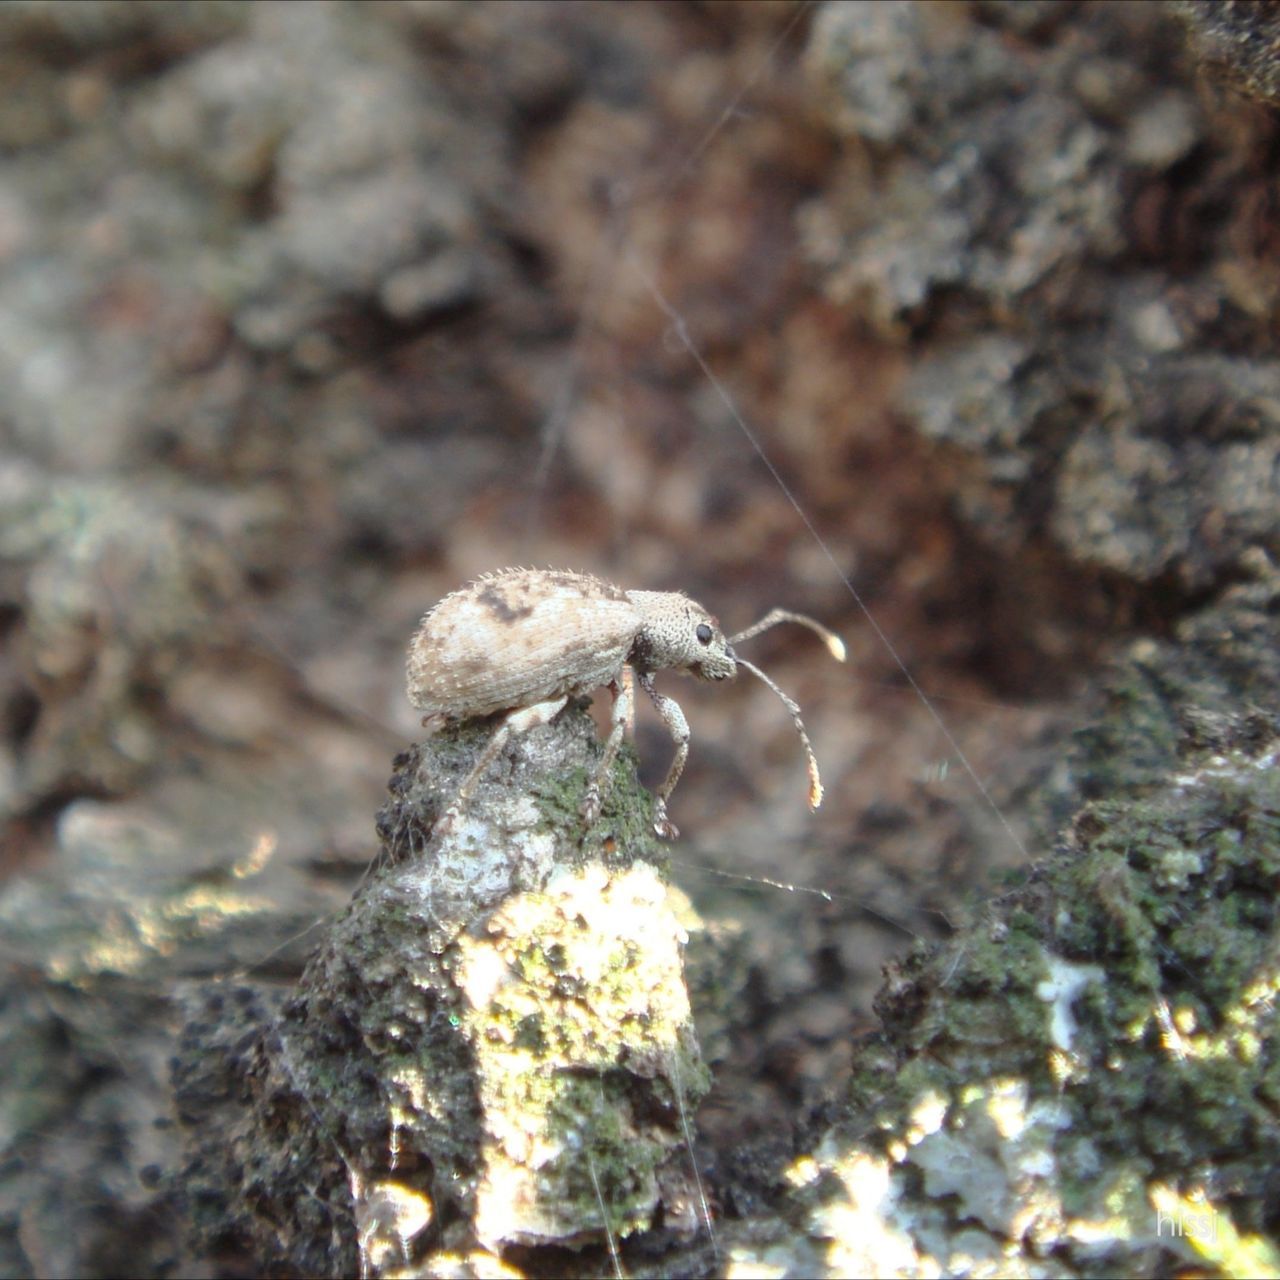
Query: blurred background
point(310, 312)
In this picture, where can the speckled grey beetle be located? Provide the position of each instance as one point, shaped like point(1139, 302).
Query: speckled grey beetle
point(525, 641)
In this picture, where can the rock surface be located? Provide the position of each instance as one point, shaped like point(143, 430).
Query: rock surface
point(491, 1051)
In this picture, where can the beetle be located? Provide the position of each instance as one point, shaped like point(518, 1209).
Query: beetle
point(525, 641)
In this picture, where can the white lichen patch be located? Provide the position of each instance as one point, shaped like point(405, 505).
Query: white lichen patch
point(862, 1223)
point(476, 1264)
point(575, 1008)
point(486, 853)
point(957, 1165)
point(927, 1116)
point(1059, 991)
point(989, 1172)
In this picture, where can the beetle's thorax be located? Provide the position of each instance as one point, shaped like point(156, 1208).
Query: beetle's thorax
point(669, 637)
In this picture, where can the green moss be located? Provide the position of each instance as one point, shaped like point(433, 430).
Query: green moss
point(624, 830)
point(1171, 1065)
point(607, 1162)
point(529, 1035)
point(559, 797)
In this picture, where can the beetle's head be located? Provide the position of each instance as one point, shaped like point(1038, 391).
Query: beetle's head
point(713, 658)
point(679, 633)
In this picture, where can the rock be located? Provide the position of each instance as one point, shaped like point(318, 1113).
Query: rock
point(492, 1048)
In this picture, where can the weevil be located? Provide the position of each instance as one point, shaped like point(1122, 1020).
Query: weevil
point(525, 641)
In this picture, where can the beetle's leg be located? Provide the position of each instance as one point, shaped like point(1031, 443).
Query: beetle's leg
point(629, 692)
point(519, 721)
point(624, 706)
point(678, 727)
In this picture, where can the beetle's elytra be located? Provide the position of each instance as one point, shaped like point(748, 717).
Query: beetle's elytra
point(525, 641)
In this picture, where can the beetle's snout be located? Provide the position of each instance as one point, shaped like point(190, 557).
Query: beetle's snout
point(719, 666)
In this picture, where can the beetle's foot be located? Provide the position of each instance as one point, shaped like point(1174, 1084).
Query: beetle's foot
point(663, 825)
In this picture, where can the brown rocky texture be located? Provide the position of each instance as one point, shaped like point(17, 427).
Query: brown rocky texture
point(311, 313)
point(1238, 41)
point(1077, 248)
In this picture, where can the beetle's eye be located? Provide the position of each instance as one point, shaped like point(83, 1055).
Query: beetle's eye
point(703, 633)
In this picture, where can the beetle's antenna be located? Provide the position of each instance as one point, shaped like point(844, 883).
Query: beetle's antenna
point(835, 646)
point(815, 782)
